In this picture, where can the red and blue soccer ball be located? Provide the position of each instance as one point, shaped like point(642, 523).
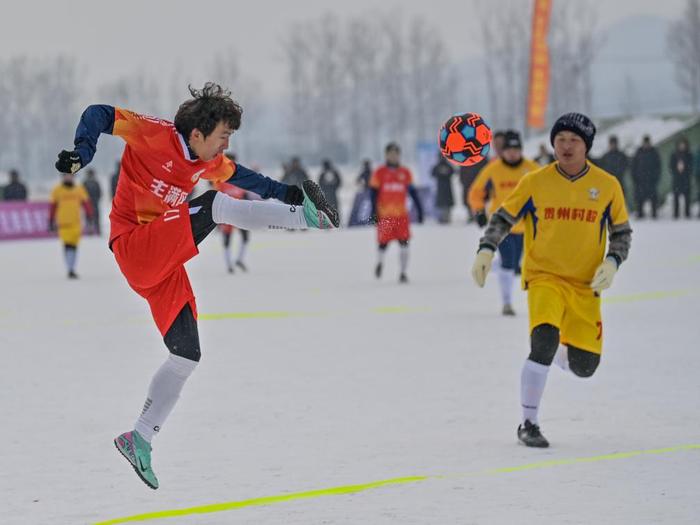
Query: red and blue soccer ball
point(465, 139)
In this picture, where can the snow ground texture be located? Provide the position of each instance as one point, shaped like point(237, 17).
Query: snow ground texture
point(338, 379)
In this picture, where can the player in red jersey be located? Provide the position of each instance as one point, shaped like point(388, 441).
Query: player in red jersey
point(390, 185)
point(227, 230)
point(155, 231)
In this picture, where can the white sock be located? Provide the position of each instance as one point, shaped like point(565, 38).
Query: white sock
point(380, 256)
point(403, 257)
point(561, 358)
point(163, 393)
point(227, 256)
point(70, 255)
point(532, 381)
point(257, 215)
point(505, 279)
point(242, 248)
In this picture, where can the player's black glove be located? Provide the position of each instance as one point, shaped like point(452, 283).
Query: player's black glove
point(294, 196)
point(481, 219)
point(68, 162)
point(372, 219)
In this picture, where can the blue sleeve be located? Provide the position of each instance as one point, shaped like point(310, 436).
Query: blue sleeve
point(250, 180)
point(96, 119)
point(416, 199)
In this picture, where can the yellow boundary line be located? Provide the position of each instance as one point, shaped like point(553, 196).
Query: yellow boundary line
point(353, 489)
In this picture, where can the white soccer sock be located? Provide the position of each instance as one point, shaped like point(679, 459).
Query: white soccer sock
point(380, 256)
point(561, 358)
point(227, 256)
point(505, 279)
point(70, 255)
point(403, 257)
point(532, 381)
point(257, 215)
point(242, 249)
point(163, 393)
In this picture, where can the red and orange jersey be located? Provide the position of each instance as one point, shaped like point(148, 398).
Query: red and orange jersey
point(392, 185)
point(157, 171)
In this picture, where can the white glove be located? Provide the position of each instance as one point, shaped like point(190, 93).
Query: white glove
point(603, 277)
point(482, 265)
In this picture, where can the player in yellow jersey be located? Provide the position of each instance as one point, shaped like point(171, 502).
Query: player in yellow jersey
point(67, 198)
point(567, 207)
point(493, 184)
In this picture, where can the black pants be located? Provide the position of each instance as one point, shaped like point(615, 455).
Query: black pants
point(677, 194)
point(644, 195)
point(182, 338)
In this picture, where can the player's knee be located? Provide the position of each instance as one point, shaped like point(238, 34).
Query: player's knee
point(182, 339)
point(581, 362)
point(544, 341)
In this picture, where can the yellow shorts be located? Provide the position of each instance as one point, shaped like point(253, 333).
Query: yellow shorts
point(70, 234)
point(575, 311)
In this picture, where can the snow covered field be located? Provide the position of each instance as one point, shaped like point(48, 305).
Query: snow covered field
point(314, 375)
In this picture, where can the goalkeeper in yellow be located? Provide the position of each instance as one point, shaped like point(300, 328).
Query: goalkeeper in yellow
point(494, 183)
point(567, 207)
point(67, 198)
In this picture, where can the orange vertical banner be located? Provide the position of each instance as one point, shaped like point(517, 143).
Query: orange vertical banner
point(538, 90)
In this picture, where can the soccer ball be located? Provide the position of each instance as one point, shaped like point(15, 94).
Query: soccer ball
point(465, 139)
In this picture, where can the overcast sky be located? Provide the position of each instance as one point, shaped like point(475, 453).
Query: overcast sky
point(111, 38)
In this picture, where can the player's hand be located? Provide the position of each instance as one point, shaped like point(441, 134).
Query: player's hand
point(372, 219)
point(68, 162)
point(604, 275)
point(482, 266)
point(481, 219)
point(294, 196)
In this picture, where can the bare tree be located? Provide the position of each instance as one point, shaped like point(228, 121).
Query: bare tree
point(574, 44)
point(684, 51)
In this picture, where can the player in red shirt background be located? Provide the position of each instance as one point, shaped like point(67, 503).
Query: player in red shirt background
point(155, 231)
point(227, 230)
point(390, 185)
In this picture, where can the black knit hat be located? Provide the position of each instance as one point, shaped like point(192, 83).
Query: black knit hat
point(576, 123)
point(511, 139)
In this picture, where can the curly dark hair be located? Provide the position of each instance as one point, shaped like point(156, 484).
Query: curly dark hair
point(207, 107)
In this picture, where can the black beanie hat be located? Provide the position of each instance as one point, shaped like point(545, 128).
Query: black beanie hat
point(576, 123)
point(511, 139)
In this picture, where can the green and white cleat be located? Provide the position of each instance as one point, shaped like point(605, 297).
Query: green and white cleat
point(317, 212)
point(137, 451)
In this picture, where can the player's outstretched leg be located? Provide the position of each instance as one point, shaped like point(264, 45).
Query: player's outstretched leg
point(137, 451)
point(318, 213)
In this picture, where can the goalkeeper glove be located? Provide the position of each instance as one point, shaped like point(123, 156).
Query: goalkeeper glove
point(604, 275)
point(68, 162)
point(481, 219)
point(482, 265)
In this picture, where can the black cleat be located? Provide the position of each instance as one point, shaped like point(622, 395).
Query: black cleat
point(403, 279)
point(230, 269)
point(508, 310)
point(72, 275)
point(378, 270)
point(242, 266)
point(530, 435)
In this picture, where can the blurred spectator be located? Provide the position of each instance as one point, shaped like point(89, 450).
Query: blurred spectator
point(544, 157)
point(15, 190)
point(329, 181)
point(646, 173)
point(295, 174)
point(697, 176)
point(615, 162)
point(467, 176)
point(115, 179)
point(365, 174)
point(497, 141)
point(444, 198)
point(94, 191)
point(681, 165)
